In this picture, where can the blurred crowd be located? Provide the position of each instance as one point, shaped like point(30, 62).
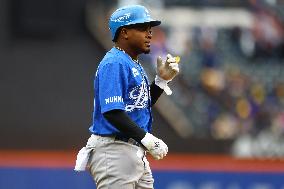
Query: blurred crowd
point(231, 84)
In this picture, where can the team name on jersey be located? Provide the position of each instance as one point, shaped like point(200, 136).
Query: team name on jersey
point(139, 97)
point(113, 99)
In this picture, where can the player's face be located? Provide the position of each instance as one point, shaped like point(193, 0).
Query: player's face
point(140, 36)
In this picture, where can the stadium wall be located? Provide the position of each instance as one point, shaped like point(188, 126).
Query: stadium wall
point(54, 169)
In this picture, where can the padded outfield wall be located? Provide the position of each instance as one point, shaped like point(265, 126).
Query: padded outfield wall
point(54, 170)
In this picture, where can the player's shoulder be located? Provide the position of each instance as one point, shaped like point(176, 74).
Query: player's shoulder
point(113, 58)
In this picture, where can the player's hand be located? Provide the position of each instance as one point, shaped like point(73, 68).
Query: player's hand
point(169, 69)
point(156, 147)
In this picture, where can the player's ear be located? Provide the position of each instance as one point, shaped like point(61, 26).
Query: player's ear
point(124, 33)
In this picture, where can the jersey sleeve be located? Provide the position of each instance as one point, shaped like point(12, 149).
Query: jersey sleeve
point(112, 86)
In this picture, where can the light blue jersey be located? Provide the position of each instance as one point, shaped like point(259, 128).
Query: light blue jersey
point(120, 83)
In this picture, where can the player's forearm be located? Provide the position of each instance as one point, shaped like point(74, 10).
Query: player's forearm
point(120, 120)
point(155, 92)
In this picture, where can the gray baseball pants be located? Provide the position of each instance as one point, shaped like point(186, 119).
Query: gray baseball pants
point(115, 164)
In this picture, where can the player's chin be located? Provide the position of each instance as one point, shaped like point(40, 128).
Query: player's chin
point(147, 50)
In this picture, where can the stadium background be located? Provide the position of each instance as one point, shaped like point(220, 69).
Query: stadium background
point(224, 124)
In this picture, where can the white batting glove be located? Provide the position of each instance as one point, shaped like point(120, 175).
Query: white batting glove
point(166, 71)
point(156, 147)
point(169, 69)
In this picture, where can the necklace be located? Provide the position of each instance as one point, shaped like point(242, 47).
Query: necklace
point(136, 61)
point(142, 72)
point(138, 65)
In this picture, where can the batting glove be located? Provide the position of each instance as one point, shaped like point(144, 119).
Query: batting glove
point(156, 147)
point(166, 71)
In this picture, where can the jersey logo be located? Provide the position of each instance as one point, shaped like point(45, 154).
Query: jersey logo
point(135, 72)
point(139, 97)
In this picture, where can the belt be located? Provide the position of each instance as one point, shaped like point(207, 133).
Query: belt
point(128, 140)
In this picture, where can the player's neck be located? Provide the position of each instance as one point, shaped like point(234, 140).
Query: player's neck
point(126, 50)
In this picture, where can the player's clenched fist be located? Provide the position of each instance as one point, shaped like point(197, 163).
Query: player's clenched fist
point(169, 69)
point(156, 147)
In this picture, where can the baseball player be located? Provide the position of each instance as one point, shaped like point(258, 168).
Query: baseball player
point(122, 119)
